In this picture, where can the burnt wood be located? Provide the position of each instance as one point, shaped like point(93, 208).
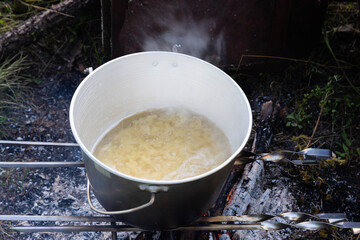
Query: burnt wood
point(50, 18)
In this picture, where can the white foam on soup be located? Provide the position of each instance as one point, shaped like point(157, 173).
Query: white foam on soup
point(164, 144)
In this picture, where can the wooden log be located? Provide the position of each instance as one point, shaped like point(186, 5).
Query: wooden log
point(44, 20)
point(249, 195)
point(252, 177)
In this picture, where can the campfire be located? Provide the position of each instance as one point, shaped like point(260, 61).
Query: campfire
point(243, 206)
point(282, 184)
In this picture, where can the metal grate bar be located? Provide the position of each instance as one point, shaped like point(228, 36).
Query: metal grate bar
point(56, 218)
point(291, 216)
point(244, 222)
point(269, 226)
point(33, 143)
point(90, 228)
point(242, 218)
point(126, 228)
point(40, 164)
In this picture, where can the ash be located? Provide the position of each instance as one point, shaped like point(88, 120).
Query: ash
point(259, 192)
point(45, 191)
point(62, 191)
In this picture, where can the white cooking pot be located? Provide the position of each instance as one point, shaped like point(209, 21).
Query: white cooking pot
point(141, 81)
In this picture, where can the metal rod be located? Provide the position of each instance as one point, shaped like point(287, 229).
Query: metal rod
point(56, 218)
point(243, 218)
point(355, 226)
point(218, 227)
point(203, 224)
point(40, 164)
point(264, 217)
point(34, 143)
point(126, 228)
point(82, 228)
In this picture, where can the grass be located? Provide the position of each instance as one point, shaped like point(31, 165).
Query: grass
point(59, 41)
point(325, 112)
point(336, 97)
point(324, 107)
point(13, 12)
point(12, 84)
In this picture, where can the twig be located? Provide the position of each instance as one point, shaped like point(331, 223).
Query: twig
point(278, 58)
point(338, 64)
point(318, 119)
point(49, 9)
point(4, 233)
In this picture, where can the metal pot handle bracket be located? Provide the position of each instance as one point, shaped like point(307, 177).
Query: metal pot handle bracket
point(150, 188)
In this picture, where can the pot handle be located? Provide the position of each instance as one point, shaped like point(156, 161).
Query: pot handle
point(152, 189)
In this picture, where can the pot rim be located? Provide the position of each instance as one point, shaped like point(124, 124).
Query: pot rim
point(149, 181)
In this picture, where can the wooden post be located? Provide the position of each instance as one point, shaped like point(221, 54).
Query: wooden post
point(106, 27)
point(118, 10)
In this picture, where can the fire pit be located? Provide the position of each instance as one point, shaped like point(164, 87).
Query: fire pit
point(47, 197)
point(207, 224)
point(58, 204)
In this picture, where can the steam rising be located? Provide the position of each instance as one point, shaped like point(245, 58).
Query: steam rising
point(181, 32)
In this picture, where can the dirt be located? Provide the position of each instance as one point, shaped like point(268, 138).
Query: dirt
point(45, 191)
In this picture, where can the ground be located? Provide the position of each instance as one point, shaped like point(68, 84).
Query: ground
point(317, 99)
